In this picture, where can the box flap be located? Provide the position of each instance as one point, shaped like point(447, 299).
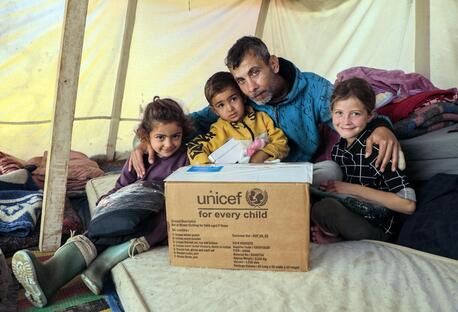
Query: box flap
point(280, 172)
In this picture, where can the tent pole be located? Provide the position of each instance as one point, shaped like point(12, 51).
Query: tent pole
point(262, 18)
point(121, 78)
point(62, 124)
point(422, 38)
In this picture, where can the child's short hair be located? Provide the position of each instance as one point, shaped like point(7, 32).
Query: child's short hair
point(217, 83)
point(162, 111)
point(354, 87)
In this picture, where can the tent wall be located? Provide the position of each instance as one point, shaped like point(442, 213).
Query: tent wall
point(177, 45)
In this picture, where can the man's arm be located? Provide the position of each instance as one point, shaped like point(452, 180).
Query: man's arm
point(389, 147)
point(136, 158)
point(202, 120)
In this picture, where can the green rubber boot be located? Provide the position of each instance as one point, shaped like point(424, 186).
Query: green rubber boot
point(41, 280)
point(94, 276)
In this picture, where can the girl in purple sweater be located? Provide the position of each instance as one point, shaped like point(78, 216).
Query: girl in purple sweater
point(129, 219)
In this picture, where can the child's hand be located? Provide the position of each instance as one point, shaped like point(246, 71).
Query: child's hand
point(337, 187)
point(255, 146)
point(259, 157)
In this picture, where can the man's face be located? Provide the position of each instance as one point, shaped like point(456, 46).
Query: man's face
point(256, 78)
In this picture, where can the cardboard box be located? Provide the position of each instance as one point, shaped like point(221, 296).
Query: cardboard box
point(242, 216)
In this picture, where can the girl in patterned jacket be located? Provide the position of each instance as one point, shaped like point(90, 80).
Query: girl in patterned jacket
point(380, 195)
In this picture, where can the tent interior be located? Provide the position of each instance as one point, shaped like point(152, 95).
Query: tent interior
point(130, 51)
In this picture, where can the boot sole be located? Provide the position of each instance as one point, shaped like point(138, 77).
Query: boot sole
point(24, 270)
point(91, 285)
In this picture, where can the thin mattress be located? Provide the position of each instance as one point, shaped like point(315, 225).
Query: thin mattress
point(355, 276)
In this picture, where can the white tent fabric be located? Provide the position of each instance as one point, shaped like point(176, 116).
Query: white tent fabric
point(178, 44)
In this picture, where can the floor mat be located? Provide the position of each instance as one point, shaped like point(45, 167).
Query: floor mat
point(74, 297)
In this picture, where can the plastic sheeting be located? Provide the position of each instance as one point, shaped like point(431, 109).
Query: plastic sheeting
point(178, 44)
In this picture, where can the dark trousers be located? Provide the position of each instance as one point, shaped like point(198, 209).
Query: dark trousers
point(154, 230)
point(334, 218)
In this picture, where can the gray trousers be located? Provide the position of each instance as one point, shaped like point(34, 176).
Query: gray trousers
point(336, 219)
point(325, 171)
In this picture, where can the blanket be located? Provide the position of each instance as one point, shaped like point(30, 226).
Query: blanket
point(19, 211)
point(9, 163)
point(80, 170)
point(433, 226)
point(397, 82)
point(427, 119)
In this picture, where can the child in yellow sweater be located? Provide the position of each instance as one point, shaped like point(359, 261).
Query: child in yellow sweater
point(237, 121)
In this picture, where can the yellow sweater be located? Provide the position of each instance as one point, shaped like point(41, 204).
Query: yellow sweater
point(253, 125)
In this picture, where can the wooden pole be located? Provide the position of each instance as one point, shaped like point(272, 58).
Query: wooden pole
point(62, 124)
point(121, 78)
point(422, 38)
point(262, 18)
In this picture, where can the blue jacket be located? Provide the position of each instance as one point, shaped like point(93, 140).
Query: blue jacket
point(298, 114)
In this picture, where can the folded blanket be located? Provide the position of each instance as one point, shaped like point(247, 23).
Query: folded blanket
point(19, 211)
point(427, 119)
point(9, 163)
point(80, 170)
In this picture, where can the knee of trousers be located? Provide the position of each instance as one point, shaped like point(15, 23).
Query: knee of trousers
point(325, 171)
point(326, 208)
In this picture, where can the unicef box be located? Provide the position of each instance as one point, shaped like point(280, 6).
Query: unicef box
point(244, 216)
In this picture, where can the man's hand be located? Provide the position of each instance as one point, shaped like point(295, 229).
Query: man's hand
point(259, 157)
point(389, 148)
point(136, 158)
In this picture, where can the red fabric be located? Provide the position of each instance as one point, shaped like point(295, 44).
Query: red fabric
point(80, 170)
point(8, 164)
point(402, 109)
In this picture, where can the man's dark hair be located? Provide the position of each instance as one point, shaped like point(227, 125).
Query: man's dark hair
point(243, 46)
point(217, 83)
point(354, 87)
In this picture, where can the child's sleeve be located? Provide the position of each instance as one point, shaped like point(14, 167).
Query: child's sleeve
point(398, 183)
point(204, 144)
point(278, 143)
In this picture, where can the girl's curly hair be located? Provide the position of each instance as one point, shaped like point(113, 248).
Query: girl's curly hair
point(162, 111)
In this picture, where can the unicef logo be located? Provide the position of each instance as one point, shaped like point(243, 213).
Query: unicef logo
point(256, 197)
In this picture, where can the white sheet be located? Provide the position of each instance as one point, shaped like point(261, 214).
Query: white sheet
point(354, 276)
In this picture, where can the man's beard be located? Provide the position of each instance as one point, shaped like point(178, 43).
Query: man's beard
point(266, 99)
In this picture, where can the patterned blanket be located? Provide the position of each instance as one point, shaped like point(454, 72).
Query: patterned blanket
point(427, 119)
point(19, 212)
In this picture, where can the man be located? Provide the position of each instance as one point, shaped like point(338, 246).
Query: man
point(297, 102)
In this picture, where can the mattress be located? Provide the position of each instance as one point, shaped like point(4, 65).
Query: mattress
point(99, 186)
point(432, 153)
point(346, 276)
point(358, 275)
